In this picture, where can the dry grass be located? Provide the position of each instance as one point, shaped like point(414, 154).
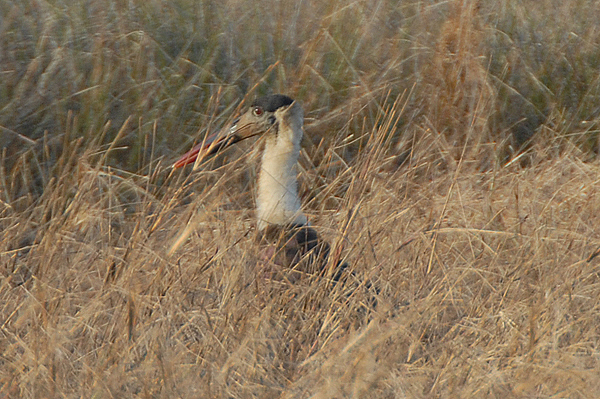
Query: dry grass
point(122, 278)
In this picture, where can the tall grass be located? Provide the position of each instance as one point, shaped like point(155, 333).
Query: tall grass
point(450, 158)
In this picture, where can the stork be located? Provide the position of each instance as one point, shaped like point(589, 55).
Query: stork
point(279, 120)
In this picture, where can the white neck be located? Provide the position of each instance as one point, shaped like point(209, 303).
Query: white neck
point(277, 197)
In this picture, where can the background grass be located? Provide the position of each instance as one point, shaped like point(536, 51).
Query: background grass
point(450, 157)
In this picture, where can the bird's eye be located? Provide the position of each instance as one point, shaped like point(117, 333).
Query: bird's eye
point(257, 111)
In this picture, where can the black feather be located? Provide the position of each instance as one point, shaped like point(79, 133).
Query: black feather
point(273, 102)
point(297, 242)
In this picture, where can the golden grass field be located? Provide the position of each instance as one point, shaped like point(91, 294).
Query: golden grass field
point(451, 158)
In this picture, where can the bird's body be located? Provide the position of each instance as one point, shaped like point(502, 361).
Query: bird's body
point(280, 219)
point(277, 200)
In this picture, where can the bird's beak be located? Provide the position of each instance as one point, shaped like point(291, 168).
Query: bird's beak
point(214, 143)
point(209, 146)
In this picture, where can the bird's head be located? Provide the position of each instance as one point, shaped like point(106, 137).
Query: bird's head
point(276, 116)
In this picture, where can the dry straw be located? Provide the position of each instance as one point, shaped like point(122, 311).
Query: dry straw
point(450, 157)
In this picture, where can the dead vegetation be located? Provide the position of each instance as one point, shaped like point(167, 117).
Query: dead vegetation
point(448, 159)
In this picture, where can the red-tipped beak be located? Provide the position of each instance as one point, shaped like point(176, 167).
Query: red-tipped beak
point(189, 156)
point(211, 145)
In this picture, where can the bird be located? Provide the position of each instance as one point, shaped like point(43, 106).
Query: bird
point(278, 119)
